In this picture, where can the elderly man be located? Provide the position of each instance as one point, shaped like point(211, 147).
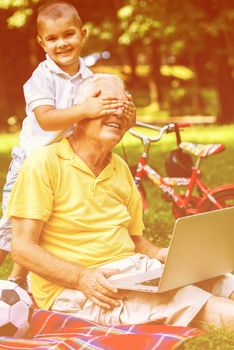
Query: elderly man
point(77, 220)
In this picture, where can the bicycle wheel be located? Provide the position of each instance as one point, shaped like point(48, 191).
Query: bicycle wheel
point(225, 197)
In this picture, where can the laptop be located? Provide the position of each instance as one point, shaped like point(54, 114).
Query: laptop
point(201, 247)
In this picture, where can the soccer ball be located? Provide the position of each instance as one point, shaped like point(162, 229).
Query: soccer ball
point(15, 304)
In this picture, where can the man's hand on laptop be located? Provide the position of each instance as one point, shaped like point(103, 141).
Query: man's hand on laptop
point(96, 287)
point(162, 254)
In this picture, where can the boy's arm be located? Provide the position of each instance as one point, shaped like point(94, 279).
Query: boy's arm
point(50, 118)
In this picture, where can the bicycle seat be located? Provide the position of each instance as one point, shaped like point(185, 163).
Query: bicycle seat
point(201, 150)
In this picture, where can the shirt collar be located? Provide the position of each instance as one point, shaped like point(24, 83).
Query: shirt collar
point(64, 150)
point(83, 72)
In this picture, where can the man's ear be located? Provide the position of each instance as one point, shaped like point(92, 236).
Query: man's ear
point(40, 42)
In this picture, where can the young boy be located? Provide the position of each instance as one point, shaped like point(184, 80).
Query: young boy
point(49, 95)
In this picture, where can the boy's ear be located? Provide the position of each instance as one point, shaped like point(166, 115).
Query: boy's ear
point(83, 35)
point(40, 42)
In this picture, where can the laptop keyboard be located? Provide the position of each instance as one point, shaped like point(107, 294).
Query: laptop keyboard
point(154, 282)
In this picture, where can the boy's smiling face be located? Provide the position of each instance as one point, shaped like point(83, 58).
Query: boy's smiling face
point(62, 39)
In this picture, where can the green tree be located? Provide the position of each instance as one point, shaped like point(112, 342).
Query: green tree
point(198, 34)
point(219, 52)
point(18, 55)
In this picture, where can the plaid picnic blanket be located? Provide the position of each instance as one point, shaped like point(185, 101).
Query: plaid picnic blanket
point(53, 330)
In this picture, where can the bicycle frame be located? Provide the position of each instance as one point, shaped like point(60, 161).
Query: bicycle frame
point(187, 203)
point(165, 184)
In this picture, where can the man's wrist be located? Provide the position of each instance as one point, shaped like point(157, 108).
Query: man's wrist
point(162, 254)
point(80, 275)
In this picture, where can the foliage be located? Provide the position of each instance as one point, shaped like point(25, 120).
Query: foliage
point(186, 47)
point(21, 11)
point(195, 33)
point(215, 339)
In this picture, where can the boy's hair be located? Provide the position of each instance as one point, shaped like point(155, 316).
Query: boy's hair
point(54, 9)
point(86, 88)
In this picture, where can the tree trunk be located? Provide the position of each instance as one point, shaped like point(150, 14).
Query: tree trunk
point(154, 76)
point(132, 59)
point(225, 88)
point(195, 95)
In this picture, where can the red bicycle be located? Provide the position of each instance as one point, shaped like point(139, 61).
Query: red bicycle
point(197, 197)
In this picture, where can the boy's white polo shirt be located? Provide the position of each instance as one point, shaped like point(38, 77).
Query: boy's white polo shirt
point(48, 85)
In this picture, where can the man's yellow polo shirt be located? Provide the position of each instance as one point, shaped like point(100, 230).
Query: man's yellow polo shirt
point(88, 218)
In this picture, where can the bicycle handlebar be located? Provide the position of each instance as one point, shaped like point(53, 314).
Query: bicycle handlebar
point(170, 127)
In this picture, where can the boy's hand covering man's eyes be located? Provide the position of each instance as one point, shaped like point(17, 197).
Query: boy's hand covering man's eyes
point(95, 106)
point(129, 110)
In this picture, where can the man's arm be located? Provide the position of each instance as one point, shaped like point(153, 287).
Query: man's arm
point(27, 252)
point(142, 245)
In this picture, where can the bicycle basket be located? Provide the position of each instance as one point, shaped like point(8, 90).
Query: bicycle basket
point(178, 164)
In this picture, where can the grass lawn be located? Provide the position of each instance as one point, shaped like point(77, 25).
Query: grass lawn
point(217, 170)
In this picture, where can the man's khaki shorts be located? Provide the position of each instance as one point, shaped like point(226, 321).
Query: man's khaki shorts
point(177, 307)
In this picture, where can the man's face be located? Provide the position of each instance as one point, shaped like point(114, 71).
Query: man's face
point(109, 129)
point(62, 40)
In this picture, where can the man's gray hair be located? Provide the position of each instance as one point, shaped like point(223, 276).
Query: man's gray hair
point(86, 88)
